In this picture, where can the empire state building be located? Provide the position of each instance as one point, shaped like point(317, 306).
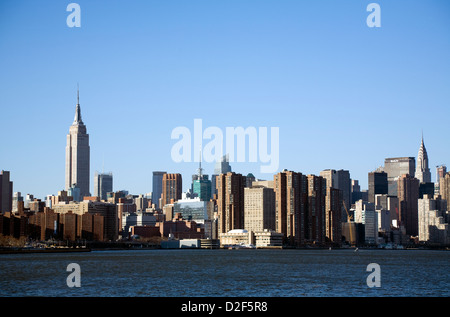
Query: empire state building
point(78, 154)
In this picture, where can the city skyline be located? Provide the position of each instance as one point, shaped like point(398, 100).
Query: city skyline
point(344, 96)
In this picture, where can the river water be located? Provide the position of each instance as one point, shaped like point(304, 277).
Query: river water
point(228, 273)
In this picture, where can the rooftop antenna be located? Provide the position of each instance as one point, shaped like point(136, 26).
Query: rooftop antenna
point(200, 166)
point(78, 94)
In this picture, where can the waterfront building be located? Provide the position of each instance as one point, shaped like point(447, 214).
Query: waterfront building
point(259, 208)
point(103, 184)
point(290, 203)
point(408, 195)
point(378, 184)
point(171, 188)
point(78, 154)
point(395, 167)
point(433, 221)
point(230, 201)
point(236, 237)
point(109, 222)
point(268, 239)
point(6, 192)
point(138, 219)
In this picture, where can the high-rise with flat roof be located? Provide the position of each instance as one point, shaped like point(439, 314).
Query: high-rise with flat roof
point(230, 201)
point(78, 154)
point(6, 192)
point(315, 211)
point(259, 208)
point(103, 184)
point(408, 195)
point(290, 199)
point(339, 179)
point(395, 167)
point(157, 187)
point(378, 184)
point(171, 188)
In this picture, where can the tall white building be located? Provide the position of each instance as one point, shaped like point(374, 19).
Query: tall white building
point(78, 154)
point(423, 173)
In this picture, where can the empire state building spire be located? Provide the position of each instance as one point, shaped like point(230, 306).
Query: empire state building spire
point(422, 170)
point(77, 119)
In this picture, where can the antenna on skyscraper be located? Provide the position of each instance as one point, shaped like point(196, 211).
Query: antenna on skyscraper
point(200, 165)
point(78, 94)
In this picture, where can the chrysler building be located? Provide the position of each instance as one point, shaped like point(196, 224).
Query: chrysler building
point(78, 154)
point(422, 170)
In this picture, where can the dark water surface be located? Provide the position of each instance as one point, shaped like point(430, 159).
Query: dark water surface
point(231, 273)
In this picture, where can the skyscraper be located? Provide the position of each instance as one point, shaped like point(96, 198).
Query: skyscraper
point(378, 184)
point(444, 188)
point(423, 173)
point(171, 188)
point(408, 196)
point(78, 154)
point(315, 211)
point(441, 170)
point(230, 201)
point(333, 215)
point(340, 180)
point(290, 198)
point(395, 167)
point(157, 187)
point(222, 167)
point(6, 192)
point(259, 208)
point(201, 185)
point(103, 184)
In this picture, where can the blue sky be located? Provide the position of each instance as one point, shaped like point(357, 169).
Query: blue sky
point(344, 96)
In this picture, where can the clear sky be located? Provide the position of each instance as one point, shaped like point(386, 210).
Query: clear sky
point(343, 95)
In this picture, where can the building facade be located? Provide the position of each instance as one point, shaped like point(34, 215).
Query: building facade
point(259, 208)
